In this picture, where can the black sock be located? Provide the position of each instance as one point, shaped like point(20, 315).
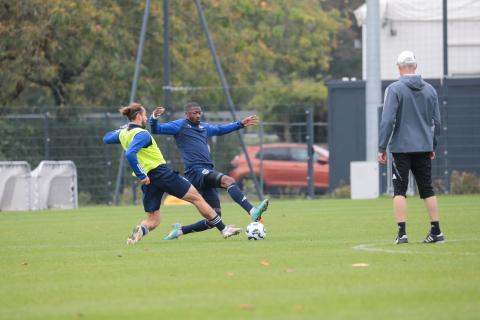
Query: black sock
point(217, 222)
point(435, 228)
point(237, 195)
point(198, 226)
point(402, 229)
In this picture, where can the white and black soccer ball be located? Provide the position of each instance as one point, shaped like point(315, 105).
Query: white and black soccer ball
point(256, 231)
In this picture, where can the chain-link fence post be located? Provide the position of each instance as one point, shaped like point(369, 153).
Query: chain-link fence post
point(133, 94)
point(261, 134)
point(108, 162)
point(309, 138)
point(46, 137)
point(445, 91)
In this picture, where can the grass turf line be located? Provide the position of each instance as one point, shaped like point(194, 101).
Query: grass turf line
point(75, 264)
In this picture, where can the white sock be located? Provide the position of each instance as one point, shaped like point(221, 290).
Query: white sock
point(252, 210)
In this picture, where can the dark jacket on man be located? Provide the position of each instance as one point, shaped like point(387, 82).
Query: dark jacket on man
point(411, 116)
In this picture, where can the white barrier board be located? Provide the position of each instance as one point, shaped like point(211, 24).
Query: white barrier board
point(364, 180)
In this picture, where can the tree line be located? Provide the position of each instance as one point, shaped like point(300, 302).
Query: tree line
point(70, 57)
point(82, 53)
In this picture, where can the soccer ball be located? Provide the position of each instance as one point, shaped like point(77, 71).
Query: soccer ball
point(256, 231)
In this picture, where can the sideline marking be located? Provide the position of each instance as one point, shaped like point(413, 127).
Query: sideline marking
point(369, 247)
point(372, 248)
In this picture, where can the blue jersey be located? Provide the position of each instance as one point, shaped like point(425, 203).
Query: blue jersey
point(192, 139)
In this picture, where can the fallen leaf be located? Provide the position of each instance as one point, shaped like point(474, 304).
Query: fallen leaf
point(24, 263)
point(289, 270)
point(229, 274)
point(360, 265)
point(246, 306)
point(265, 263)
point(297, 307)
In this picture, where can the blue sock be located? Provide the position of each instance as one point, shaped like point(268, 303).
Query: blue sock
point(237, 195)
point(198, 226)
point(203, 225)
point(216, 222)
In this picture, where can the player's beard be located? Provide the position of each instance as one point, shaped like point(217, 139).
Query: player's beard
point(196, 120)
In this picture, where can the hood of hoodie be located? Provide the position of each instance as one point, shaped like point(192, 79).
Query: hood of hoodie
point(414, 82)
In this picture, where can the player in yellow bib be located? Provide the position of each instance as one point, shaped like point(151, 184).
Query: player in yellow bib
point(155, 176)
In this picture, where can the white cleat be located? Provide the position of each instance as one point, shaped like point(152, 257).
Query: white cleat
point(230, 231)
point(136, 235)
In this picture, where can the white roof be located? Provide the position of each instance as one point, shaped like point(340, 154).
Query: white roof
point(422, 10)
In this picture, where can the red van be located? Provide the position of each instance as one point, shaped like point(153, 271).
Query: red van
point(284, 165)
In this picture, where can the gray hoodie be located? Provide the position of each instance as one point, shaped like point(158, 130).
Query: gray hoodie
point(410, 117)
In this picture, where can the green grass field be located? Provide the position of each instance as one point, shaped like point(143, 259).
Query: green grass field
point(75, 264)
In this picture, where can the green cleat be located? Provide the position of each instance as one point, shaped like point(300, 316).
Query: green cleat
point(173, 234)
point(257, 213)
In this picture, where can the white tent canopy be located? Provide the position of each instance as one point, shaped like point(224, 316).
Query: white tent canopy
point(426, 10)
point(416, 25)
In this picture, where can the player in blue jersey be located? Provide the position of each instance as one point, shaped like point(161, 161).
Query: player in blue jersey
point(155, 176)
point(191, 136)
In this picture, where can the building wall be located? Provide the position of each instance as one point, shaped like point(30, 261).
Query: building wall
point(458, 146)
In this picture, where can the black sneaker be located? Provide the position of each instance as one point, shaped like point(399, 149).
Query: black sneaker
point(401, 239)
point(431, 238)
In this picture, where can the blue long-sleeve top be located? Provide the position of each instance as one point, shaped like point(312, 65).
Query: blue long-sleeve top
point(141, 140)
point(192, 139)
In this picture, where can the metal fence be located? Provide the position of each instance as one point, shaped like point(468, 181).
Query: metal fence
point(458, 151)
point(37, 134)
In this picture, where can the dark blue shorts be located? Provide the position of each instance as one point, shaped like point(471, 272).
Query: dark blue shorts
point(163, 179)
point(197, 177)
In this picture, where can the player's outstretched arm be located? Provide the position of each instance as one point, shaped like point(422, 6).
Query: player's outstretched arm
point(158, 112)
point(214, 130)
point(250, 121)
point(169, 128)
point(112, 137)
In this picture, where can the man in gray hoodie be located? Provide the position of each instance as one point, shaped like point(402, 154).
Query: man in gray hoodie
point(410, 123)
